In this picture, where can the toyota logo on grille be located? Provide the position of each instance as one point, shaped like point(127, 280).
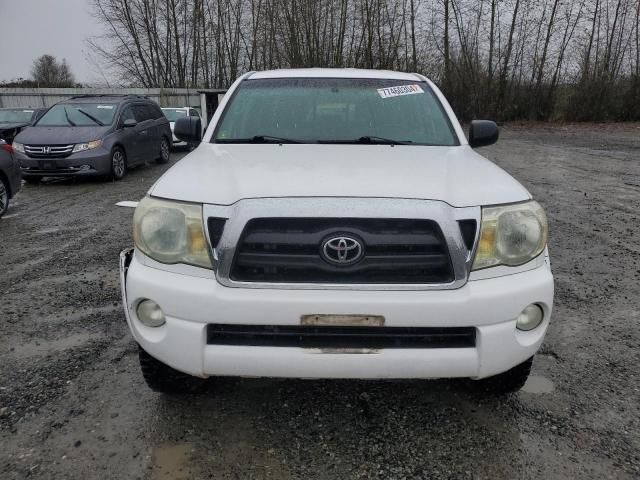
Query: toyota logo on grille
point(342, 250)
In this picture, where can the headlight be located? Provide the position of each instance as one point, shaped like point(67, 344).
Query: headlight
point(171, 232)
point(511, 235)
point(81, 147)
point(18, 147)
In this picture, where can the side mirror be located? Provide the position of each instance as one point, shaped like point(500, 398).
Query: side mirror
point(483, 133)
point(188, 129)
point(129, 122)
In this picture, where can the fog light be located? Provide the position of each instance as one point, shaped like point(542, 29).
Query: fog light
point(530, 317)
point(150, 313)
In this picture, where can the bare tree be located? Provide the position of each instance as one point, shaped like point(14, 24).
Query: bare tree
point(48, 72)
point(502, 58)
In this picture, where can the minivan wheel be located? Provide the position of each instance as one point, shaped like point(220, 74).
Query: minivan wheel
point(507, 382)
point(164, 379)
point(4, 196)
point(118, 163)
point(165, 150)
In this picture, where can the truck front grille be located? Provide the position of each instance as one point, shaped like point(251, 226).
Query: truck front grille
point(394, 251)
point(307, 336)
point(48, 151)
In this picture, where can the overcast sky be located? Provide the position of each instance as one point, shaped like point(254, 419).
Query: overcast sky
point(30, 28)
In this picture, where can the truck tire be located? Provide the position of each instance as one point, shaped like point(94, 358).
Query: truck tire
point(164, 379)
point(508, 382)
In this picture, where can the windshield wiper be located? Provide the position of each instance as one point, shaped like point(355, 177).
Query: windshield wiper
point(257, 139)
point(370, 140)
point(67, 115)
point(90, 116)
point(382, 140)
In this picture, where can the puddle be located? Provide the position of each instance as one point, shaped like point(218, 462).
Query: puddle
point(538, 384)
point(171, 462)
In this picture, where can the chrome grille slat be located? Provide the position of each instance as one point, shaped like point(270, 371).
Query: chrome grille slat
point(48, 151)
point(240, 213)
point(400, 251)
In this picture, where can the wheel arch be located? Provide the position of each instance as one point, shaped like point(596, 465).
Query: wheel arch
point(121, 146)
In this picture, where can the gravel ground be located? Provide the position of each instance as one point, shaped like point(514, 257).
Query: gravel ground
point(73, 403)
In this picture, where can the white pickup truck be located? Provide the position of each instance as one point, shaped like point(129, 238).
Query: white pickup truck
point(336, 223)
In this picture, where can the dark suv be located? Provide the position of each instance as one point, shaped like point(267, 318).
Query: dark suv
point(9, 176)
point(14, 120)
point(94, 135)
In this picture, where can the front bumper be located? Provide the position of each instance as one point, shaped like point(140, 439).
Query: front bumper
point(91, 162)
point(192, 302)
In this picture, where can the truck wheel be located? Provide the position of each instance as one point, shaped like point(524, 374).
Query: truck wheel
point(32, 179)
point(164, 379)
point(118, 163)
point(508, 382)
point(165, 150)
point(4, 196)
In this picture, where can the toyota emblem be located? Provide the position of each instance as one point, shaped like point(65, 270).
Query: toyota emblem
point(342, 250)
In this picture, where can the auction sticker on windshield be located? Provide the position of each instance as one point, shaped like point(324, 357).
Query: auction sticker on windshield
point(399, 91)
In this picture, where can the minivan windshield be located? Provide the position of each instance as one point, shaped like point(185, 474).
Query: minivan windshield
point(78, 115)
point(173, 114)
point(15, 116)
point(335, 110)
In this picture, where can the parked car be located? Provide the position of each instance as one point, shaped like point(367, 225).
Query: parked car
point(10, 180)
point(337, 224)
point(94, 135)
point(173, 114)
point(14, 120)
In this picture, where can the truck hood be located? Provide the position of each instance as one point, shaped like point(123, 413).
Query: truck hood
point(223, 174)
point(61, 135)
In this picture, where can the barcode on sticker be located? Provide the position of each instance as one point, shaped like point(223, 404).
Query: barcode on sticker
point(399, 91)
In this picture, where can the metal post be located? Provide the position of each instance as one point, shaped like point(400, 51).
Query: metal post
point(203, 107)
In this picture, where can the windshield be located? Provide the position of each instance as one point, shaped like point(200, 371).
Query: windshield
point(16, 116)
point(173, 114)
point(335, 110)
point(78, 114)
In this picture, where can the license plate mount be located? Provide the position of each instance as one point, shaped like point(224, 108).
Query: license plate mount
point(340, 320)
